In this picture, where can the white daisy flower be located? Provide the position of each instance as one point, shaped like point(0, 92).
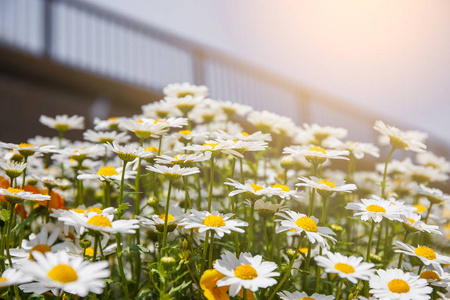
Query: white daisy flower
point(376, 209)
point(421, 174)
point(347, 267)
point(174, 217)
point(412, 221)
point(399, 139)
point(233, 108)
point(267, 209)
point(326, 187)
point(321, 133)
point(284, 192)
point(128, 153)
point(286, 295)
point(436, 278)
point(106, 136)
point(174, 172)
point(247, 272)
point(207, 114)
point(108, 172)
point(52, 182)
point(98, 222)
point(181, 159)
point(315, 155)
point(185, 104)
point(244, 136)
point(181, 90)
point(250, 189)
point(301, 223)
point(63, 123)
point(357, 149)
point(81, 153)
point(245, 146)
point(58, 272)
point(213, 148)
point(219, 223)
point(108, 124)
point(429, 159)
point(13, 169)
point(159, 109)
point(433, 195)
point(13, 277)
point(41, 242)
point(13, 195)
point(26, 149)
point(394, 284)
point(426, 254)
point(144, 128)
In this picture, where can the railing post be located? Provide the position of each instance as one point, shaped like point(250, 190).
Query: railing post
point(47, 19)
point(198, 66)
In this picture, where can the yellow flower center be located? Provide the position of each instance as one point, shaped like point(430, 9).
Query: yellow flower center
point(170, 218)
point(3, 279)
point(307, 298)
point(213, 145)
point(63, 273)
point(94, 209)
point(397, 143)
point(398, 286)
point(245, 272)
point(344, 268)
point(256, 187)
point(426, 252)
point(375, 208)
point(184, 94)
point(318, 149)
point(303, 250)
point(411, 221)
point(420, 208)
point(107, 171)
point(307, 224)
point(100, 221)
point(327, 182)
point(25, 145)
point(151, 149)
point(214, 221)
point(244, 134)
point(282, 186)
point(184, 132)
point(79, 210)
point(159, 121)
point(430, 275)
point(14, 191)
point(40, 248)
point(90, 251)
point(113, 119)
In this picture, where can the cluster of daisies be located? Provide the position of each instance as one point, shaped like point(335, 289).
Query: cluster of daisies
point(198, 198)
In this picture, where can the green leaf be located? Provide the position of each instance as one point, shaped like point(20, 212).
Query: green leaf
point(180, 287)
point(5, 215)
point(121, 209)
point(139, 248)
point(24, 223)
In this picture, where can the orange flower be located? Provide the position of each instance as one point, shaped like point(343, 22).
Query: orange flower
point(208, 283)
point(56, 201)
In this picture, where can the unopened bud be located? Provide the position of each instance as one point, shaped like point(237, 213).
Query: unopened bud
point(85, 243)
point(168, 261)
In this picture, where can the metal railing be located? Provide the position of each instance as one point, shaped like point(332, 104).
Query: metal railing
point(86, 37)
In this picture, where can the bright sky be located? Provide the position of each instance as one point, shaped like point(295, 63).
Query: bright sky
point(389, 57)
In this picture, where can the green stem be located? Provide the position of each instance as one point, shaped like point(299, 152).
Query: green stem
point(211, 184)
point(313, 191)
point(159, 145)
point(250, 226)
point(186, 192)
point(428, 212)
point(400, 259)
point(288, 270)
point(120, 263)
point(211, 249)
point(383, 183)
point(308, 260)
point(386, 242)
point(369, 245)
point(94, 256)
point(166, 217)
point(122, 181)
point(324, 210)
point(338, 294)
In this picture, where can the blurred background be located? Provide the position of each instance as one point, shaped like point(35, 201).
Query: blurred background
point(341, 63)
